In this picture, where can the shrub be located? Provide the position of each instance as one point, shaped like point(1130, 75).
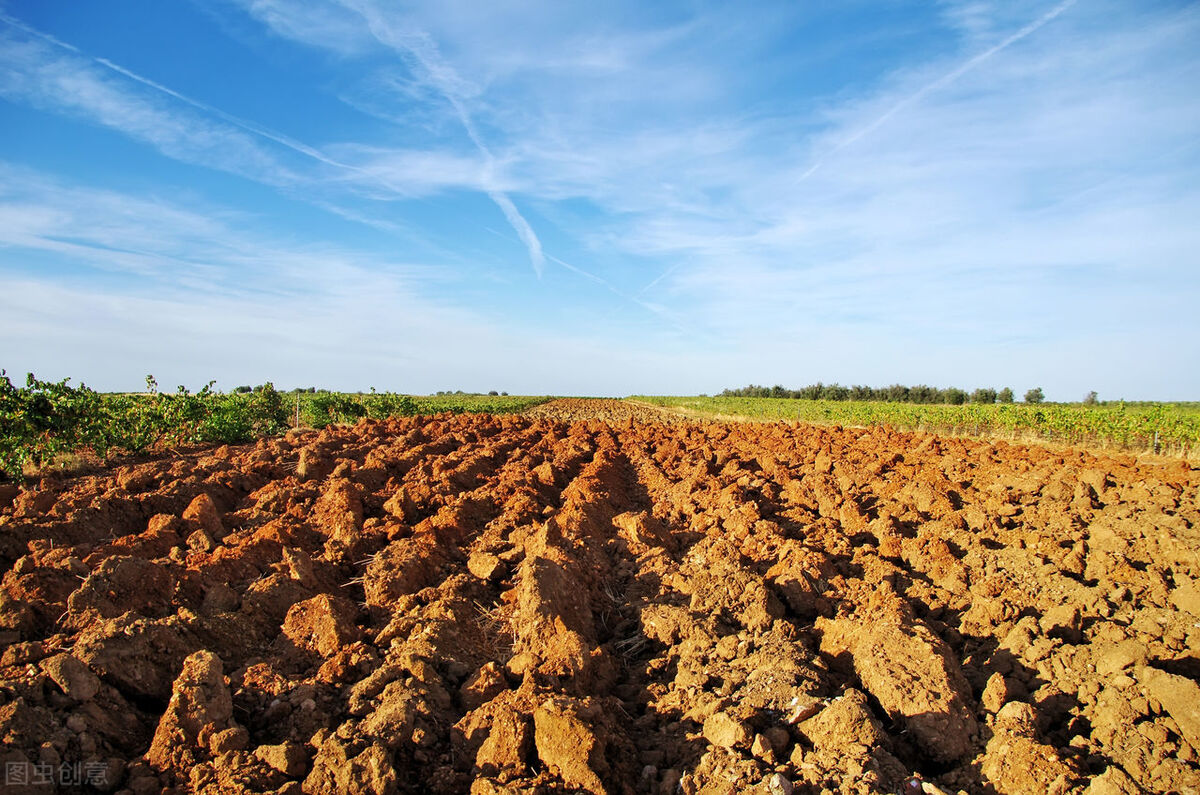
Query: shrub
point(329, 407)
point(388, 404)
point(44, 420)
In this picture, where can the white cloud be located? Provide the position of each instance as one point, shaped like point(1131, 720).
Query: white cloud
point(193, 292)
point(312, 22)
point(391, 173)
point(166, 245)
point(940, 83)
point(50, 74)
point(52, 77)
point(198, 291)
point(437, 72)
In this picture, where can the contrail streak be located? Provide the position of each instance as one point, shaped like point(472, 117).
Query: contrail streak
point(243, 124)
point(517, 221)
point(440, 74)
point(654, 309)
point(248, 126)
point(522, 228)
point(524, 231)
point(941, 82)
point(659, 278)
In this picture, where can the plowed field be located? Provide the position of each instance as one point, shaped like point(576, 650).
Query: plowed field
point(519, 604)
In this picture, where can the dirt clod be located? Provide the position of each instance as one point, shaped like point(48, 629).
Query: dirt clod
point(202, 513)
point(288, 758)
point(995, 694)
point(322, 624)
point(74, 678)
point(567, 744)
point(724, 731)
point(912, 673)
point(1179, 696)
point(201, 708)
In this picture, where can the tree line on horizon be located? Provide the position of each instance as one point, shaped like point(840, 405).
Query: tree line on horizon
point(896, 393)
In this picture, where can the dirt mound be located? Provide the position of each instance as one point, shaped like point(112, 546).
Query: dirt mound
point(515, 604)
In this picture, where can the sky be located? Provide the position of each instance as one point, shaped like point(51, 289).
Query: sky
point(602, 199)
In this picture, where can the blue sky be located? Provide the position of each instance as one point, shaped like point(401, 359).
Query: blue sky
point(603, 198)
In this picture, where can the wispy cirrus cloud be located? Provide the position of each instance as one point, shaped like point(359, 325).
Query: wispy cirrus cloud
point(160, 242)
point(533, 130)
point(940, 83)
point(191, 291)
point(47, 72)
point(41, 70)
point(51, 75)
point(164, 282)
point(438, 73)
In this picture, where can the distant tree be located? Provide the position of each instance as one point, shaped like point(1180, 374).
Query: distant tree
point(835, 392)
point(504, 394)
point(1092, 399)
point(895, 393)
point(810, 392)
point(493, 393)
point(242, 390)
point(923, 394)
point(983, 396)
point(1034, 395)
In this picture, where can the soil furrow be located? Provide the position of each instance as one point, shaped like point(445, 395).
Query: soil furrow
point(589, 598)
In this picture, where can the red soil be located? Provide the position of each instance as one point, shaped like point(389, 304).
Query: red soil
point(515, 604)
